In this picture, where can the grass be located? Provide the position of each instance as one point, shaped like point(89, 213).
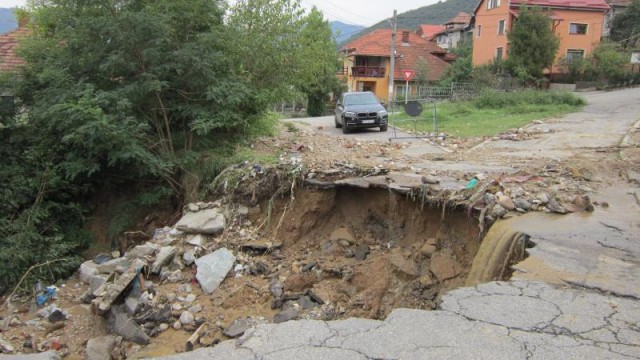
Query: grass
point(491, 113)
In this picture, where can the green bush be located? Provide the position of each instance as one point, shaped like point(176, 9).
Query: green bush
point(490, 99)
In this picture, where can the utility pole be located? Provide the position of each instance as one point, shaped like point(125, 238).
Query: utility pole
point(394, 26)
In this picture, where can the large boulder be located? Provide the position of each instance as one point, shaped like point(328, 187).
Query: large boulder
point(213, 268)
point(209, 221)
point(100, 348)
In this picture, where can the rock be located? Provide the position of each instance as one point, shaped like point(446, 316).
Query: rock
point(176, 307)
point(164, 257)
point(306, 303)
point(506, 202)
point(141, 251)
point(132, 303)
point(343, 235)
point(213, 268)
point(289, 313)
point(554, 206)
point(6, 347)
point(498, 211)
point(195, 309)
point(361, 251)
point(87, 270)
point(427, 280)
point(428, 249)
point(543, 197)
point(122, 324)
point(428, 179)
point(490, 199)
point(175, 276)
point(313, 296)
point(243, 210)
point(583, 203)
point(186, 318)
point(444, 267)
point(163, 327)
point(177, 325)
point(100, 348)
point(210, 222)
point(188, 257)
point(521, 203)
point(405, 267)
point(193, 207)
point(260, 246)
point(198, 240)
point(57, 315)
point(276, 288)
point(112, 266)
point(190, 298)
point(102, 258)
point(97, 281)
point(158, 315)
point(237, 328)
point(300, 282)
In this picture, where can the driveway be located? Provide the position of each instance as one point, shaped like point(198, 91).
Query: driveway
point(417, 146)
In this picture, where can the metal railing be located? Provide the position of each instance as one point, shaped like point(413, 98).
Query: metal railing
point(368, 71)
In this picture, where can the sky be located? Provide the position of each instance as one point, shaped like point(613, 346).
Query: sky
point(358, 12)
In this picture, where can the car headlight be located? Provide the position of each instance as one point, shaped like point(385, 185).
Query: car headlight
point(382, 113)
point(350, 114)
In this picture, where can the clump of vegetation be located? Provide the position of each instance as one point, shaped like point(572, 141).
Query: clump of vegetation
point(496, 100)
point(155, 97)
point(492, 112)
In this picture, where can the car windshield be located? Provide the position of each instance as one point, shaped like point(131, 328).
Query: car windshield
point(360, 99)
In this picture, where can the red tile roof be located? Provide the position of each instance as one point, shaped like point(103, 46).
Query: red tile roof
point(580, 4)
point(378, 43)
point(428, 31)
point(461, 18)
point(9, 61)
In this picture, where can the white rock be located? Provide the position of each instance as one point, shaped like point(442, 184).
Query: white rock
point(186, 318)
point(177, 325)
point(210, 221)
point(213, 268)
point(87, 270)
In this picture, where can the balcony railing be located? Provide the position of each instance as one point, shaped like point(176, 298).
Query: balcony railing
point(367, 71)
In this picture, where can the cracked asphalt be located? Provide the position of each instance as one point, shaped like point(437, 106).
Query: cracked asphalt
point(577, 296)
point(497, 320)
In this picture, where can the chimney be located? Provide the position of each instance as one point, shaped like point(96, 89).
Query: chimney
point(405, 37)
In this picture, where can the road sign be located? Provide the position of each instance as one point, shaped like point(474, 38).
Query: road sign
point(408, 74)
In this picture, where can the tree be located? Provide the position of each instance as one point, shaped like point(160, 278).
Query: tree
point(625, 27)
point(532, 45)
point(119, 95)
point(319, 62)
point(283, 52)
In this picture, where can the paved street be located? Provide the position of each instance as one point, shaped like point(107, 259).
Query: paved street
point(575, 297)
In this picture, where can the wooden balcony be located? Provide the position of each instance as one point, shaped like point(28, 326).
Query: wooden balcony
point(367, 71)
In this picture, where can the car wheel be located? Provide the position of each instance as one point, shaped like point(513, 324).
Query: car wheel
point(345, 128)
point(338, 124)
point(383, 128)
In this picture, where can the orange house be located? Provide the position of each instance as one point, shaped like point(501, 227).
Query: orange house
point(367, 62)
point(577, 23)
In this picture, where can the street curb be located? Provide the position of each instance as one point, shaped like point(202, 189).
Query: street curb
point(625, 142)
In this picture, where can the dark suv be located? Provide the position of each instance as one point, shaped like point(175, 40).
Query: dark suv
point(360, 110)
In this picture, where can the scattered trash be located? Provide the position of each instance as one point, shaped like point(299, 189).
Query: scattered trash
point(472, 183)
point(44, 296)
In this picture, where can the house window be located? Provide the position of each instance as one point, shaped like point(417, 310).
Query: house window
point(479, 28)
point(501, 27)
point(574, 55)
point(401, 90)
point(499, 54)
point(577, 29)
point(492, 4)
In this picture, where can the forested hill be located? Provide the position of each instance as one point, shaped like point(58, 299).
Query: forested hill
point(8, 21)
point(342, 31)
point(432, 14)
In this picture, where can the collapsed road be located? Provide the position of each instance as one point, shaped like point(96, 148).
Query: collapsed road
point(373, 250)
